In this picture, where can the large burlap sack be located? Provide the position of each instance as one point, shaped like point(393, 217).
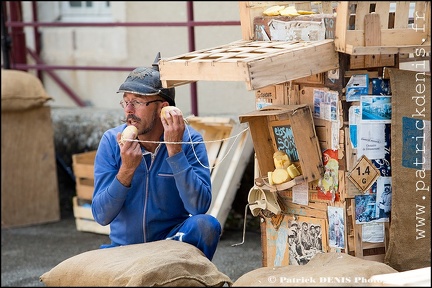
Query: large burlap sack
point(410, 229)
point(324, 269)
point(154, 264)
point(21, 91)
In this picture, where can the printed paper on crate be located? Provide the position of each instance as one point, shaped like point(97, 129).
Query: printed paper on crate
point(357, 85)
point(328, 185)
point(336, 221)
point(381, 86)
point(375, 108)
point(373, 232)
point(384, 199)
point(365, 208)
point(300, 194)
point(325, 104)
point(371, 140)
point(354, 120)
point(306, 238)
point(297, 30)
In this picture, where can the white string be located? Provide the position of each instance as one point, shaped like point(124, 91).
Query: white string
point(198, 142)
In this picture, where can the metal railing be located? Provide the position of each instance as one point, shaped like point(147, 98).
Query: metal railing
point(13, 37)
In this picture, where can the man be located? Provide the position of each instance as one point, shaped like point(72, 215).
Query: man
point(305, 237)
point(318, 238)
point(294, 258)
point(158, 186)
point(337, 223)
point(385, 202)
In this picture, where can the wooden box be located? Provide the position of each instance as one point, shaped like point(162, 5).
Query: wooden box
point(314, 27)
point(289, 128)
point(273, 94)
point(402, 27)
point(249, 10)
point(84, 220)
point(83, 168)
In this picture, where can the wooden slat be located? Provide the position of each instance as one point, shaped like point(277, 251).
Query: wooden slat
point(401, 14)
point(361, 11)
point(382, 9)
point(372, 38)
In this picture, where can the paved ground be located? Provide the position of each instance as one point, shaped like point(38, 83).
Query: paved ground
point(29, 252)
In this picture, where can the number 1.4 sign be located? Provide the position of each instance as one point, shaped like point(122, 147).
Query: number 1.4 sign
point(364, 173)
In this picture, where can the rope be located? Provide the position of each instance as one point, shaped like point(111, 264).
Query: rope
point(198, 142)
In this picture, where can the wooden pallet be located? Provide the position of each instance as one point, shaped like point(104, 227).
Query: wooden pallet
point(258, 63)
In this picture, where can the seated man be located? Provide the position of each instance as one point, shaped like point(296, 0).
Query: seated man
point(156, 187)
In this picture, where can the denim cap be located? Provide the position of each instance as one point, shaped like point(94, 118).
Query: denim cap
point(145, 81)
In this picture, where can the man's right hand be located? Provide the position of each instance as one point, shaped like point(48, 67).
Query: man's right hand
point(131, 156)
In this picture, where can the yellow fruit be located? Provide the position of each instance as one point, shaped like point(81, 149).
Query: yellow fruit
point(289, 11)
point(168, 109)
point(269, 176)
point(293, 171)
point(129, 133)
point(305, 12)
point(280, 176)
point(273, 10)
point(281, 159)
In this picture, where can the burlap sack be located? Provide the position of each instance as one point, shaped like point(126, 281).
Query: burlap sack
point(154, 264)
point(410, 243)
point(325, 269)
point(21, 91)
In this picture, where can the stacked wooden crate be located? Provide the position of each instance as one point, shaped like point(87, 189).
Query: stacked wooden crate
point(370, 37)
point(83, 168)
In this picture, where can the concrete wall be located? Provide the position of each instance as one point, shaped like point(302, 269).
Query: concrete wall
point(138, 46)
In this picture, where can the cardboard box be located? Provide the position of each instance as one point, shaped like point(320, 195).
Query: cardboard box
point(289, 128)
point(83, 168)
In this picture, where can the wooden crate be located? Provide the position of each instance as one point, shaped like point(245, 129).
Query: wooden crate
point(249, 10)
point(83, 168)
point(270, 129)
point(273, 94)
point(391, 35)
point(258, 63)
point(229, 146)
point(84, 220)
point(356, 244)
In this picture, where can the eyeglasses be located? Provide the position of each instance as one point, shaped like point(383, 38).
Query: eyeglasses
point(136, 103)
